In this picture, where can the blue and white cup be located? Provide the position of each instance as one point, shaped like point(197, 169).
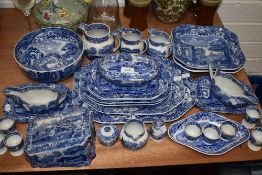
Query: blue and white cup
point(132, 41)
point(14, 143)
point(211, 133)
point(228, 130)
point(3, 148)
point(159, 43)
point(7, 125)
point(107, 134)
point(255, 139)
point(253, 114)
point(193, 131)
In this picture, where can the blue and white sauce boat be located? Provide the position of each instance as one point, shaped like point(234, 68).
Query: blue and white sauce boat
point(131, 41)
point(134, 134)
point(159, 43)
point(230, 91)
point(38, 98)
point(98, 39)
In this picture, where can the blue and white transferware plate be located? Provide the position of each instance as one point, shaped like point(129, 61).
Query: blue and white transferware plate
point(206, 100)
point(49, 54)
point(127, 70)
point(18, 111)
point(198, 46)
point(176, 133)
point(63, 139)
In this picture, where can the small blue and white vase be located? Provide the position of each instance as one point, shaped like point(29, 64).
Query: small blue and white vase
point(134, 134)
point(3, 148)
point(14, 143)
point(7, 125)
point(107, 134)
point(98, 39)
point(158, 130)
point(159, 43)
point(131, 41)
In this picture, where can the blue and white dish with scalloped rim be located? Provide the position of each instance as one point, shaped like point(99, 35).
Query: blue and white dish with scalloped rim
point(206, 100)
point(17, 111)
point(177, 134)
point(49, 54)
point(197, 46)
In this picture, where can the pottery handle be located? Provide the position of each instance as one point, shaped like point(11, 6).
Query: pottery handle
point(145, 46)
point(115, 35)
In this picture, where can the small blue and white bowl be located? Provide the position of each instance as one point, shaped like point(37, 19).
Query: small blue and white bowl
point(253, 114)
point(3, 148)
point(7, 125)
point(158, 130)
point(211, 133)
point(14, 143)
point(49, 54)
point(193, 131)
point(107, 134)
point(255, 139)
point(228, 130)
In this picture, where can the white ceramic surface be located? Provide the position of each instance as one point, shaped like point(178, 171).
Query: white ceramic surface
point(253, 113)
point(13, 140)
point(211, 133)
point(228, 130)
point(193, 131)
point(6, 124)
point(248, 125)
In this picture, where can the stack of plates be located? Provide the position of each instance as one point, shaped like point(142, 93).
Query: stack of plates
point(119, 87)
point(195, 47)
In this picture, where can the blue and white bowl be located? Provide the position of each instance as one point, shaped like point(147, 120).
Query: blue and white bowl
point(193, 131)
point(211, 133)
point(107, 134)
point(15, 143)
point(228, 130)
point(49, 54)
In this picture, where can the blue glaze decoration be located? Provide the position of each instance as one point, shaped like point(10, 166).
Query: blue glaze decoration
point(176, 133)
point(95, 26)
point(197, 46)
point(253, 140)
point(107, 134)
point(225, 135)
point(250, 119)
point(61, 140)
point(128, 70)
point(211, 140)
point(2, 145)
point(192, 123)
point(11, 128)
point(158, 129)
point(16, 147)
point(16, 110)
point(49, 54)
point(207, 101)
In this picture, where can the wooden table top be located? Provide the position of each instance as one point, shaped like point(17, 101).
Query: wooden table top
point(167, 152)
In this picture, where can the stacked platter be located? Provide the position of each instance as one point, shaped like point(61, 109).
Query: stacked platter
point(195, 47)
point(122, 86)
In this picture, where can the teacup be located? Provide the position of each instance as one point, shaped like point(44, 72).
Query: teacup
point(211, 133)
point(159, 43)
point(255, 140)
point(228, 130)
point(253, 114)
point(7, 125)
point(3, 149)
point(131, 41)
point(98, 40)
point(14, 143)
point(193, 131)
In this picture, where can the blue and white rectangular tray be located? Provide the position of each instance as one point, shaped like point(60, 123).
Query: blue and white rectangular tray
point(177, 134)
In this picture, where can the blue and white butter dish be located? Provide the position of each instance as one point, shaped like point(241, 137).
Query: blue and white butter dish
point(107, 134)
point(61, 140)
point(158, 130)
point(38, 97)
point(134, 134)
point(211, 143)
point(49, 54)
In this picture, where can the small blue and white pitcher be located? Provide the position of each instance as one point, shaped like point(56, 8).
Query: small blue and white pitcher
point(98, 40)
point(131, 41)
point(159, 43)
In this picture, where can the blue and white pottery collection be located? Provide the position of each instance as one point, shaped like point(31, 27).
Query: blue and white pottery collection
point(159, 43)
point(177, 133)
point(128, 88)
point(98, 39)
point(62, 139)
point(131, 41)
point(158, 130)
point(14, 143)
point(49, 54)
point(195, 47)
point(107, 134)
point(134, 134)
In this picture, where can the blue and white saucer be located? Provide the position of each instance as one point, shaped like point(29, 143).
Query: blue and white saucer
point(177, 134)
